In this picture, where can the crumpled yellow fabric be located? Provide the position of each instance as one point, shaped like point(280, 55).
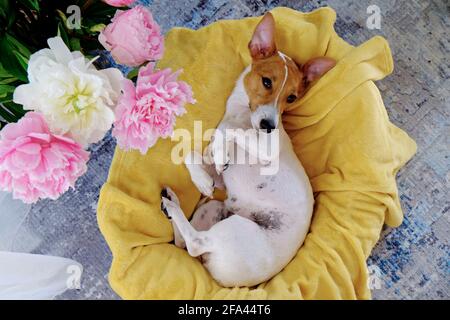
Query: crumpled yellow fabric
point(340, 131)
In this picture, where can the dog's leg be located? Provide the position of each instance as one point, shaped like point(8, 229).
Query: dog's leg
point(210, 168)
point(196, 241)
point(199, 176)
point(219, 150)
point(250, 142)
point(203, 219)
point(259, 145)
point(177, 237)
point(209, 214)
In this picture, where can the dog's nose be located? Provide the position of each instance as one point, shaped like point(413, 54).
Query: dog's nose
point(267, 125)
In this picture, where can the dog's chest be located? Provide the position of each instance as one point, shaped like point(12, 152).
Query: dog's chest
point(246, 179)
point(246, 183)
point(287, 186)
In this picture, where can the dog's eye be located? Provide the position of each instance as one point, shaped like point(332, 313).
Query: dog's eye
point(291, 98)
point(267, 83)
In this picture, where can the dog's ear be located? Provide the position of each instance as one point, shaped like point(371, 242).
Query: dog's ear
point(262, 44)
point(317, 67)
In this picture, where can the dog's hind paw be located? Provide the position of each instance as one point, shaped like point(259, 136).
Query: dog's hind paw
point(170, 194)
point(164, 210)
point(168, 197)
point(163, 206)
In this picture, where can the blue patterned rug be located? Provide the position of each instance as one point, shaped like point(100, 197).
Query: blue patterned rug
point(412, 261)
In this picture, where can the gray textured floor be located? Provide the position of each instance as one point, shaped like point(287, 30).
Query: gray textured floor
point(414, 259)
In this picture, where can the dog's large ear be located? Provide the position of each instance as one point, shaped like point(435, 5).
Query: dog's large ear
point(262, 44)
point(317, 67)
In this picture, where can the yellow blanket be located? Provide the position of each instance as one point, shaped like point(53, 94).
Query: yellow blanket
point(340, 131)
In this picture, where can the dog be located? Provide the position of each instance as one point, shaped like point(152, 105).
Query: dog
point(258, 229)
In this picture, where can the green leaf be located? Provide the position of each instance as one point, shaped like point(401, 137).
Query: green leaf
point(31, 4)
point(4, 73)
point(12, 112)
point(15, 109)
point(63, 34)
point(7, 115)
point(97, 28)
point(9, 61)
point(5, 77)
point(63, 17)
point(5, 89)
point(7, 14)
point(19, 46)
point(4, 8)
point(99, 10)
point(133, 73)
point(22, 60)
point(7, 80)
point(75, 44)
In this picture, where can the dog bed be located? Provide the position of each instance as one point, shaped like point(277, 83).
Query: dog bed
point(340, 131)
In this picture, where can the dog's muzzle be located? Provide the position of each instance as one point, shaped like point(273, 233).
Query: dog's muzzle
point(267, 124)
point(265, 118)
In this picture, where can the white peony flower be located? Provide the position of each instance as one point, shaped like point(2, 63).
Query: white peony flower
point(74, 97)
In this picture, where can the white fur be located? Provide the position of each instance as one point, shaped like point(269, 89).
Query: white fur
point(254, 234)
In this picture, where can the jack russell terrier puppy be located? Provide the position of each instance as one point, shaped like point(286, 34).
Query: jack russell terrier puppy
point(258, 229)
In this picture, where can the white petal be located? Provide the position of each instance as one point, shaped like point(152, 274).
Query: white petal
point(60, 50)
point(39, 60)
point(115, 78)
point(77, 54)
point(24, 95)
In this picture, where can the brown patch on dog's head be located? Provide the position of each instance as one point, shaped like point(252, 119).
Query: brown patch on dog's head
point(266, 79)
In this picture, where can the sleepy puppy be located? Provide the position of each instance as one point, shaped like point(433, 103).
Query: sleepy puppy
point(258, 229)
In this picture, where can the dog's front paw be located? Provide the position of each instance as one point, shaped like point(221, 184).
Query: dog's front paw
point(203, 181)
point(221, 154)
point(264, 162)
point(220, 168)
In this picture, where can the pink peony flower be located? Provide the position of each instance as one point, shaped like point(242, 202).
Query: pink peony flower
point(36, 164)
point(133, 37)
point(148, 112)
point(119, 3)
